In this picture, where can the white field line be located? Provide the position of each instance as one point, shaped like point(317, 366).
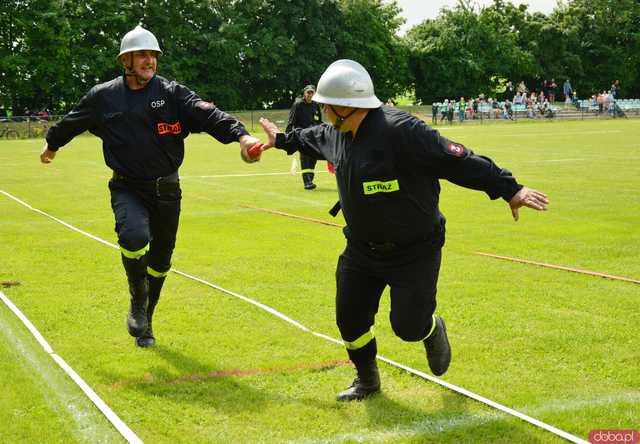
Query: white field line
point(555, 135)
point(439, 425)
point(455, 388)
point(57, 393)
point(288, 173)
point(124, 430)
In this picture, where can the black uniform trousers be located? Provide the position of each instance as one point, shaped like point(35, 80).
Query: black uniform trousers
point(362, 273)
point(147, 212)
point(307, 163)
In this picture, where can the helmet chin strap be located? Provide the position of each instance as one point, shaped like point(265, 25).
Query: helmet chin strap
point(341, 119)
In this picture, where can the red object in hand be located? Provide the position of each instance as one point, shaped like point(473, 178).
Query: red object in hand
point(331, 168)
point(255, 151)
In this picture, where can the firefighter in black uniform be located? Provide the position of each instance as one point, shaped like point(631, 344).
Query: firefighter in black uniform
point(143, 120)
point(303, 114)
point(387, 166)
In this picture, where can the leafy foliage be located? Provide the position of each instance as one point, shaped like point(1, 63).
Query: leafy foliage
point(260, 53)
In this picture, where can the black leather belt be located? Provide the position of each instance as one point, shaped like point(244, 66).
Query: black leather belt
point(157, 184)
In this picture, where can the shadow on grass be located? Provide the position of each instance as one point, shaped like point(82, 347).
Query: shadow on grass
point(452, 422)
point(185, 379)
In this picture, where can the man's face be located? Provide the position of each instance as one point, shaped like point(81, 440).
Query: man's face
point(308, 95)
point(144, 64)
point(332, 117)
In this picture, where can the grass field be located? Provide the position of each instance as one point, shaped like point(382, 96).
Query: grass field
point(561, 347)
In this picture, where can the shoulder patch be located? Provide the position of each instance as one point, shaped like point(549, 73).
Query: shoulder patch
point(455, 149)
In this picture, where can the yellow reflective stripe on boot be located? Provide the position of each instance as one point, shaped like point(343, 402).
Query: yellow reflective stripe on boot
point(156, 274)
point(307, 170)
point(134, 254)
point(361, 341)
point(433, 327)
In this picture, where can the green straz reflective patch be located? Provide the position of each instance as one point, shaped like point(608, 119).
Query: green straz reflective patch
point(381, 187)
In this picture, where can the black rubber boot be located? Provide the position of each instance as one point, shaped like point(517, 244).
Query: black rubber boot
point(366, 384)
point(137, 321)
point(155, 285)
point(307, 178)
point(438, 348)
point(138, 289)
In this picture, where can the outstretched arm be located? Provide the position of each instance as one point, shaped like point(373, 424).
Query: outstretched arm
point(454, 162)
point(316, 141)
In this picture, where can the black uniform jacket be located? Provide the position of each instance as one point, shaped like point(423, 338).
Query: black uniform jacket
point(143, 131)
point(388, 175)
point(304, 115)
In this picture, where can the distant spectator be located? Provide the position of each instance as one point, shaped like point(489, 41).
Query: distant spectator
point(507, 110)
point(444, 110)
point(567, 91)
point(545, 89)
point(522, 88)
point(615, 89)
point(509, 92)
point(600, 102)
point(530, 110)
point(462, 106)
point(548, 111)
point(609, 102)
point(390, 102)
point(537, 110)
point(553, 86)
point(474, 107)
point(452, 108)
point(519, 99)
point(470, 108)
point(434, 112)
point(495, 107)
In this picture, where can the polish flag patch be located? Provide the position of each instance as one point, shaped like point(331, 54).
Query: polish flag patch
point(455, 149)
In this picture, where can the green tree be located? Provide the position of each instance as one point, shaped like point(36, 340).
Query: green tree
point(604, 35)
point(34, 59)
point(200, 49)
point(367, 33)
point(285, 46)
point(464, 53)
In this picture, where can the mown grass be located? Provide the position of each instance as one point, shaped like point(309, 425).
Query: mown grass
point(558, 346)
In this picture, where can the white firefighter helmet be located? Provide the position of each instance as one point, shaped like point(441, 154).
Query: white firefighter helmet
point(346, 83)
point(139, 39)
